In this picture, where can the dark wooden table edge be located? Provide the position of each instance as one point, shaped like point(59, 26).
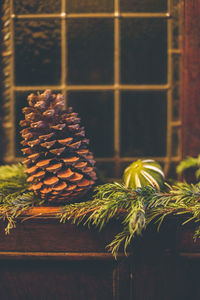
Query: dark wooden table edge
point(81, 256)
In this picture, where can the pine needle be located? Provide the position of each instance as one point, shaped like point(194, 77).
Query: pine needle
point(112, 201)
point(135, 209)
point(15, 198)
point(189, 162)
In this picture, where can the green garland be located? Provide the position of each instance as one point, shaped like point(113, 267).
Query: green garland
point(189, 162)
point(135, 209)
point(15, 198)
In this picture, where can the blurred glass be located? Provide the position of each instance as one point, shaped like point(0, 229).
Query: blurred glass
point(90, 51)
point(172, 172)
point(36, 6)
point(97, 113)
point(175, 110)
point(37, 52)
point(20, 102)
point(143, 5)
point(104, 171)
point(7, 143)
point(88, 6)
point(123, 166)
point(176, 23)
point(175, 141)
point(143, 124)
point(144, 51)
point(176, 87)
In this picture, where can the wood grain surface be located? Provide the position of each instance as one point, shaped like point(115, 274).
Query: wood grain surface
point(190, 78)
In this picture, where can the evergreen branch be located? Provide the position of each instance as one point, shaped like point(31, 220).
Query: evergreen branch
point(120, 239)
point(12, 182)
point(10, 210)
point(197, 173)
point(182, 199)
point(134, 224)
point(112, 201)
point(189, 162)
point(11, 172)
point(135, 209)
point(109, 201)
point(15, 198)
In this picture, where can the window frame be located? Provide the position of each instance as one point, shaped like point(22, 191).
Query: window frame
point(190, 143)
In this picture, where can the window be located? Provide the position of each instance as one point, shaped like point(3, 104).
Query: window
point(116, 62)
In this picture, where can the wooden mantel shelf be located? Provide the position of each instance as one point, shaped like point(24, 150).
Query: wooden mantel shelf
point(44, 259)
point(42, 211)
point(39, 230)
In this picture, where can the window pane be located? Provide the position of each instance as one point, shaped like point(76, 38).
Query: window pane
point(90, 51)
point(175, 141)
point(96, 112)
point(143, 124)
point(104, 171)
point(176, 86)
point(77, 6)
point(143, 5)
point(172, 171)
point(20, 102)
point(176, 24)
point(36, 6)
point(144, 51)
point(37, 52)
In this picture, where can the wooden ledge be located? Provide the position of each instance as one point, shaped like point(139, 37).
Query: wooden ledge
point(39, 230)
point(43, 211)
point(69, 256)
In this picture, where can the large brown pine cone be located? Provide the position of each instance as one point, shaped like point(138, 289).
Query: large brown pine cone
point(59, 165)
